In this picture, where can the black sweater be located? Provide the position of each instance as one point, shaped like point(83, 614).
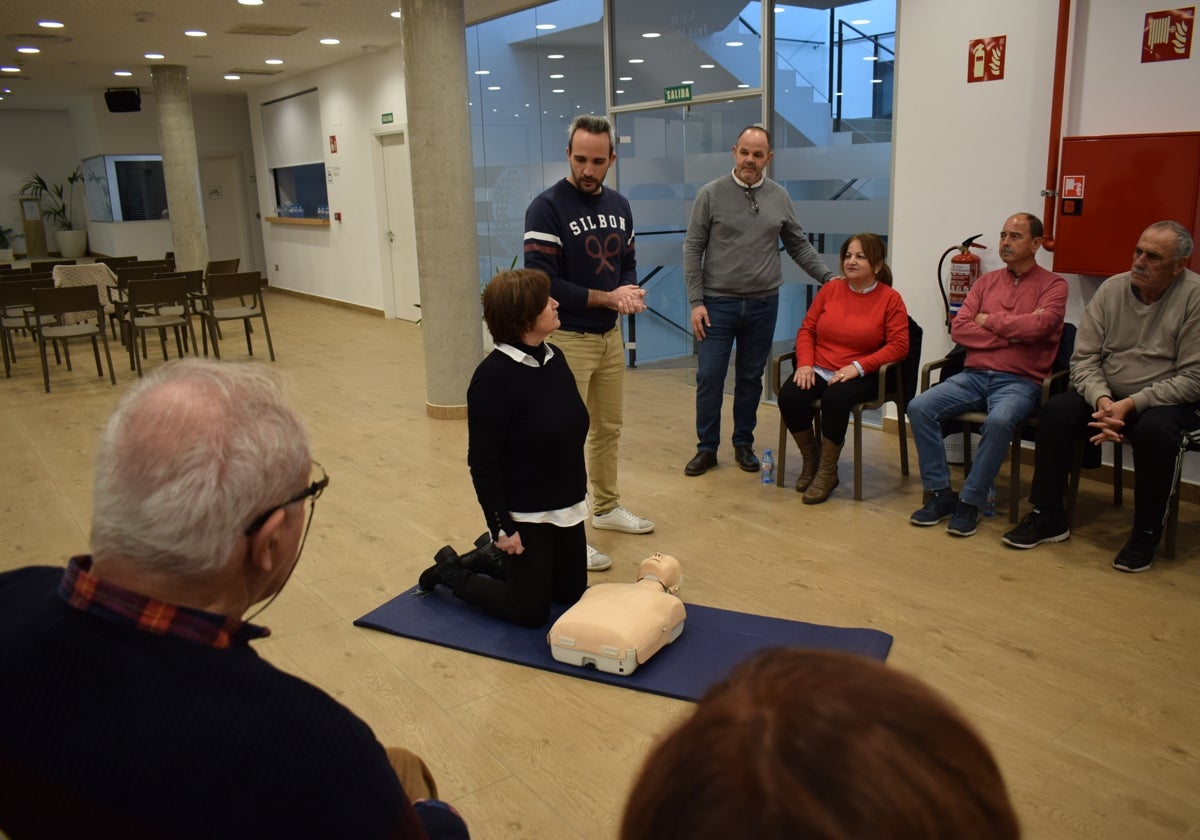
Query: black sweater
point(526, 428)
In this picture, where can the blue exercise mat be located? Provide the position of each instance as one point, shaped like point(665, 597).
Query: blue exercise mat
point(713, 641)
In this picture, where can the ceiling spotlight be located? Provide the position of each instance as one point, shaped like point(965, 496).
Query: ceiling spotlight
point(558, 90)
point(483, 72)
point(651, 34)
point(620, 91)
point(493, 87)
point(232, 77)
point(556, 75)
point(733, 43)
point(743, 86)
point(330, 42)
point(250, 2)
point(877, 81)
point(625, 79)
point(707, 66)
point(779, 10)
point(637, 61)
point(50, 24)
point(195, 33)
point(546, 26)
point(273, 61)
point(860, 22)
point(688, 82)
point(28, 50)
point(554, 56)
point(122, 73)
point(155, 56)
point(870, 58)
point(396, 14)
point(10, 69)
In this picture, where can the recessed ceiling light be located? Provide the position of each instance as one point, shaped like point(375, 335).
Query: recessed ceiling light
point(483, 72)
point(559, 90)
point(870, 58)
point(154, 55)
point(396, 14)
point(8, 90)
point(620, 91)
point(877, 81)
point(232, 77)
point(28, 50)
point(860, 22)
point(273, 61)
point(733, 43)
point(10, 69)
point(546, 26)
point(493, 87)
point(625, 79)
point(122, 73)
point(743, 86)
point(839, 93)
point(707, 66)
point(555, 56)
point(50, 24)
point(556, 75)
point(780, 10)
point(330, 42)
point(637, 61)
point(195, 33)
point(250, 2)
point(687, 82)
point(651, 34)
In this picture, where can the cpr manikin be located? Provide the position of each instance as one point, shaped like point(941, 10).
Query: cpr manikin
point(618, 626)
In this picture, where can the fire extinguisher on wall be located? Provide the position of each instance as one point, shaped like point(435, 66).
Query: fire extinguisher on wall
point(964, 271)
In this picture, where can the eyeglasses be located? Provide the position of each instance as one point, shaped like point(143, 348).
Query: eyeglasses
point(312, 491)
point(753, 200)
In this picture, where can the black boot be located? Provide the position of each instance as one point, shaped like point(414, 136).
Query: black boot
point(485, 558)
point(447, 569)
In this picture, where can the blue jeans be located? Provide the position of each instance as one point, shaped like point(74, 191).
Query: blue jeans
point(751, 323)
point(1007, 398)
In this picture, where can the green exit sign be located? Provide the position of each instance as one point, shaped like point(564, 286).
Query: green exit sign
point(387, 118)
point(679, 93)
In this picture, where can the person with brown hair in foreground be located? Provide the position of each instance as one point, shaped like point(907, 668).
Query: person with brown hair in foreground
point(821, 746)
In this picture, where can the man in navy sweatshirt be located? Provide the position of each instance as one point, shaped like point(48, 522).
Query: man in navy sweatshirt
point(581, 234)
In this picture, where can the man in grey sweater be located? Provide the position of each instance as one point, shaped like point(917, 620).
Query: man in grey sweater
point(1135, 375)
point(733, 272)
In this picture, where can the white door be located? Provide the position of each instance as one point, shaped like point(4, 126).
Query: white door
point(225, 210)
point(403, 285)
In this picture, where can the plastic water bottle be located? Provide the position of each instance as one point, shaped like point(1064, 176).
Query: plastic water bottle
point(768, 467)
point(989, 504)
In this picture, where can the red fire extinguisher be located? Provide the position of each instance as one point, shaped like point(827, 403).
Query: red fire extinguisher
point(964, 271)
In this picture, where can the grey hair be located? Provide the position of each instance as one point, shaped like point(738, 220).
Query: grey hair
point(191, 455)
point(592, 124)
point(1183, 239)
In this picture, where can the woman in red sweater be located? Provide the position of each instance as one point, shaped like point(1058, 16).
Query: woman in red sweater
point(856, 324)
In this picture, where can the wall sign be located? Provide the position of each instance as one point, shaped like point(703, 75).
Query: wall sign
point(386, 118)
point(333, 144)
point(985, 59)
point(678, 93)
point(1167, 35)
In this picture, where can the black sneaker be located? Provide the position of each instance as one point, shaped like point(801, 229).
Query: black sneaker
point(965, 518)
point(1138, 553)
point(1036, 528)
point(939, 505)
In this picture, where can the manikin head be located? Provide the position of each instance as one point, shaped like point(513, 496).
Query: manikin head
point(663, 569)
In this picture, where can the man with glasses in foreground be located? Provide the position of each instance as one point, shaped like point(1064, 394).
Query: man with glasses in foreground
point(733, 273)
point(133, 703)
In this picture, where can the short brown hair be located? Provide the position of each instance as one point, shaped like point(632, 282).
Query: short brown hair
point(875, 250)
point(824, 746)
point(512, 302)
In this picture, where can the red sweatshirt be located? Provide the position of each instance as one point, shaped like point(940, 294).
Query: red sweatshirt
point(843, 326)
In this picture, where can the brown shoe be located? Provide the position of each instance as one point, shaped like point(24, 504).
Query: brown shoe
point(702, 463)
point(811, 453)
point(827, 474)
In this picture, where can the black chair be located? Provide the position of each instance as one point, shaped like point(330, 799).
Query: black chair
point(16, 298)
point(246, 286)
point(1055, 383)
point(158, 304)
point(48, 320)
point(897, 383)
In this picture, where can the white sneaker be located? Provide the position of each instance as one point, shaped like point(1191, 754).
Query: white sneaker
point(619, 519)
point(597, 561)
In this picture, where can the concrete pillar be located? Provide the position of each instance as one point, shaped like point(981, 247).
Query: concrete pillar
point(181, 166)
point(435, 83)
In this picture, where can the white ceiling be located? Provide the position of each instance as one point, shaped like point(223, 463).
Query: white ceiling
point(102, 36)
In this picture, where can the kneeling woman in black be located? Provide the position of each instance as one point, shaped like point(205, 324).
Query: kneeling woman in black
point(526, 426)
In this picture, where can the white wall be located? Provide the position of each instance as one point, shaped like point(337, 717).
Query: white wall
point(349, 260)
point(41, 142)
point(968, 155)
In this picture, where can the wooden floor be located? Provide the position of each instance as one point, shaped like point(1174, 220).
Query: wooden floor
point(1085, 681)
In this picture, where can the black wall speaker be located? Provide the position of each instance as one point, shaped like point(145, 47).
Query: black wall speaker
point(122, 100)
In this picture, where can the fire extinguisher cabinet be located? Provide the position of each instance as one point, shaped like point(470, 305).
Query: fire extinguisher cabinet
point(1113, 187)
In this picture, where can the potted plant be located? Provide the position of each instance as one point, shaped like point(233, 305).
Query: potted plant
point(57, 201)
point(6, 251)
